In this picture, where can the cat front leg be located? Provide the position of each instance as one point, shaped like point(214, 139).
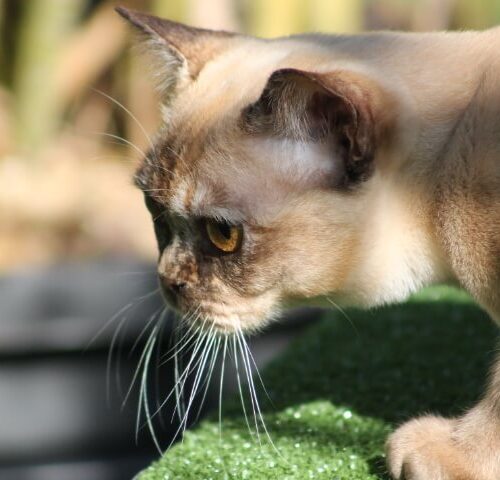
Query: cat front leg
point(462, 448)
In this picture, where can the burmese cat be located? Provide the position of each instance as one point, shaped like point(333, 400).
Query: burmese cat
point(362, 167)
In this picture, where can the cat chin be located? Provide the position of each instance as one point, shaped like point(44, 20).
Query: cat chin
point(231, 323)
point(249, 316)
point(225, 320)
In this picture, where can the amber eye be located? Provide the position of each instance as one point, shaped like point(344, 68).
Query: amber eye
point(224, 236)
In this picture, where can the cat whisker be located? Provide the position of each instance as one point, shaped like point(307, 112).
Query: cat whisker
point(249, 352)
point(109, 361)
point(204, 357)
point(222, 384)
point(143, 394)
point(342, 311)
point(137, 369)
point(176, 356)
point(240, 389)
point(123, 140)
point(154, 316)
point(145, 328)
point(198, 377)
point(166, 314)
point(150, 190)
point(253, 399)
point(179, 389)
point(143, 401)
point(183, 377)
point(121, 311)
point(239, 335)
point(173, 350)
point(176, 388)
point(132, 116)
point(114, 338)
point(179, 386)
point(206, 352)
point(114, 158)
point(206, 382)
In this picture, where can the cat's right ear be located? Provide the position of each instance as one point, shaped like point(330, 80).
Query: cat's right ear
point(345, 109)
point(180, 51)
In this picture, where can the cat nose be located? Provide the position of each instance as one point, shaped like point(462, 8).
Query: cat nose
point(172, 288)
point(176, 287)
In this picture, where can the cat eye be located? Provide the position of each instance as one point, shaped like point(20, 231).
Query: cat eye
point(224, 236)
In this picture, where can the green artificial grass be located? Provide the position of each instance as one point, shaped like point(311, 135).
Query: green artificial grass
point(339, 389)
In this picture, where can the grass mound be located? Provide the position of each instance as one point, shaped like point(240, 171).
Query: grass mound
point(339, 390)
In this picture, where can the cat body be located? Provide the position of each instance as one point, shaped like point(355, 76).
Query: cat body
point(357, 168)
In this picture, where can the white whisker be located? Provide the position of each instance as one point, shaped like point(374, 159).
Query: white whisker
point(206, 382)
point(247, 348)
point(121, 139)
point(145, 328)
point(199, 374)
point(204, 356)
point(253, 391)
point(174, 350)
point(144, 393)
point(182, 379)
point(221, 385)
point(132, 116)
point(122, 310)
point(242, 398)
point(329, 300)
point(137, 370)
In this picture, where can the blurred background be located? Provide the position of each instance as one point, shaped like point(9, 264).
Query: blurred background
point(76, 244)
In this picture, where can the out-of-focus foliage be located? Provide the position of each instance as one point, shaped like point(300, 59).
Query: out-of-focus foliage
point(67, 150)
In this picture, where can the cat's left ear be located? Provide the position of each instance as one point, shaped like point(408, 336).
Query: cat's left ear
point(346, 107)
point(180, 51)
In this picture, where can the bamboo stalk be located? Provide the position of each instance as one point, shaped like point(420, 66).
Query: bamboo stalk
point(216, 14)
point(3, 62)
point(89, 52)
point(171, 9)
point(142, 101)
point(346, 16)
point(5, 122)
point(477, 15)
point(279, 17)
point(432, 15)
point(43, 29)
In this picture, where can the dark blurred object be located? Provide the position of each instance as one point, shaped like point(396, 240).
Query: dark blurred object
point(61, 412)
point(56, 422)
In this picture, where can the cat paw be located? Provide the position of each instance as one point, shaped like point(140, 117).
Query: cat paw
point(423, 449)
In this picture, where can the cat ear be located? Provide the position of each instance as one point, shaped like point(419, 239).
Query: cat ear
point(181, 51)
point(345, 105)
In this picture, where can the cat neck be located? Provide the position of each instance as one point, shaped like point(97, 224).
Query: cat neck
point(397, 251)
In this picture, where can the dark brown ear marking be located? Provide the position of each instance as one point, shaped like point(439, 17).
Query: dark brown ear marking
point(309, 105)
point(196, 46)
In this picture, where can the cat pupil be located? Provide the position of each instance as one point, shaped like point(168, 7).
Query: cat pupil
point(225, 230)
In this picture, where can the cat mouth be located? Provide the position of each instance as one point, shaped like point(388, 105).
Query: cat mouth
point(228, 321)
point(207, 318)
point(222, 323)
point(244, 315)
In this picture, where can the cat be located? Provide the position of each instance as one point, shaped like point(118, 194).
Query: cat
point(362, 167)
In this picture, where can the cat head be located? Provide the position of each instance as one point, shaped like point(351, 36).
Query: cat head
point(254, 179)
